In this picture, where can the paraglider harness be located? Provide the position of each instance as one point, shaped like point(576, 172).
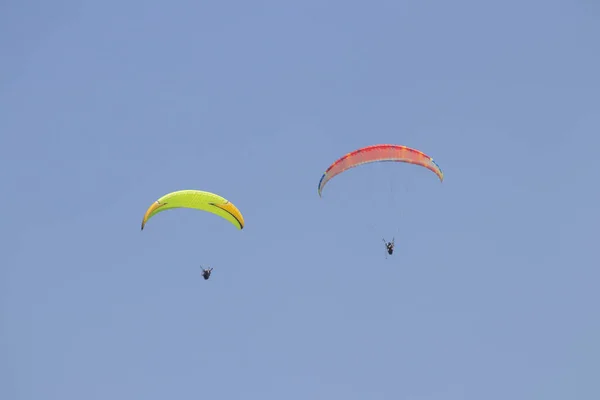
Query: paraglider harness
point(206, 273)
point(389, 246)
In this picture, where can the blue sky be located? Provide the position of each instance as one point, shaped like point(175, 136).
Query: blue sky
point(492, 293)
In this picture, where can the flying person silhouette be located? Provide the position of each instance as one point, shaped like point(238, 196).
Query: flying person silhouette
point(206, 272)
point(389, 246)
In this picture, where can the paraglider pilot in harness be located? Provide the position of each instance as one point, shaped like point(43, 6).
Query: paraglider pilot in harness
point(206, 273)
point(389, 246)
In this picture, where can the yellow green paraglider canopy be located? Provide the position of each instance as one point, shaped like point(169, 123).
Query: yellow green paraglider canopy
point(198, 200)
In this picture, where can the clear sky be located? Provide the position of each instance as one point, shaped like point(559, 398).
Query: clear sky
point(492, 293)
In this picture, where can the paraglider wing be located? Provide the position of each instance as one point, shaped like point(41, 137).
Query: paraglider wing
point(199, 200)
point(379, 153)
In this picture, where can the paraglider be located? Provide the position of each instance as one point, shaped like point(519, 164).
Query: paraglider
point(379, 153)
point(198, 200)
